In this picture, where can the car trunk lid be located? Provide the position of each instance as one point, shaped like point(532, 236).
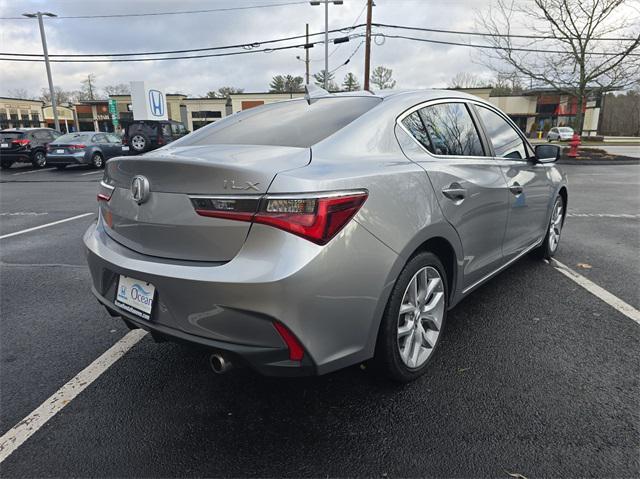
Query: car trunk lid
point(165, 224)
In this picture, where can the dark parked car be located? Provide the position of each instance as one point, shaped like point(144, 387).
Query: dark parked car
point(147, 135)
point(26, 145)
point(83, 148)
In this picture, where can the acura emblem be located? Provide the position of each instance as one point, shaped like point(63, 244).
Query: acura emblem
point(140, 189)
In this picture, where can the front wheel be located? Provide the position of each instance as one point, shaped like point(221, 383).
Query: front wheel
point(414, 319)
point(551, 241)
point(39, 159)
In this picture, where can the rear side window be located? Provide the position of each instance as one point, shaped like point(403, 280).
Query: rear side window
point(13, 135)
point(506, 142)
point(414, 124)
point(42, 135)
point(290, 123)
point(451, 130)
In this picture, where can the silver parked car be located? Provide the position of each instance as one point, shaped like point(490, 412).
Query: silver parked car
point(83, 148)
point(305, 236)
point(560, 133)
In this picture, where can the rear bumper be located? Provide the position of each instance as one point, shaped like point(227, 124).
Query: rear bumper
point(331, 298)
point(15, 156)
point(68, 159)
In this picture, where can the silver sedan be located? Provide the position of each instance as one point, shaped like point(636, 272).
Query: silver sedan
point(309, 235)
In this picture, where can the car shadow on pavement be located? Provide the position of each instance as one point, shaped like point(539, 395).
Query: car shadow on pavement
point(519, 384)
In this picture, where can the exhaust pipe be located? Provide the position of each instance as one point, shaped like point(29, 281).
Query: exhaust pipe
point(219, 364)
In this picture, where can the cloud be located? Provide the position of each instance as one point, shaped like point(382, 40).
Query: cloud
point(414, 64)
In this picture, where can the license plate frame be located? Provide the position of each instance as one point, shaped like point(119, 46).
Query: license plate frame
point(135, 296)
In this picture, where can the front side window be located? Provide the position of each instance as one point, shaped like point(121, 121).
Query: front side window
point(451, 130)
point(506, 142)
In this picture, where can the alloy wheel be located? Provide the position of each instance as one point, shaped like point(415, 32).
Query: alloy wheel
point(138, 142)
point(555, 227)
point(41, 159)
point(420, 317)
point(97, 161)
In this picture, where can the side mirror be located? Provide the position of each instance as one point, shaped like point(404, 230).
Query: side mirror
point(547, 153)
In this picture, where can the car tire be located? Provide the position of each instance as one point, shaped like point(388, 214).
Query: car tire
point(61, 167)
point(39, 159)
point(551, 240)
point(401, 350)
point(97, 161)
point(5, 165)
point(139, 142)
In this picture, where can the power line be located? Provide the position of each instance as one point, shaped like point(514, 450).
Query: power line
point(490, 47)
point(486, 34)
point(250, 45)
point(182, 57)
point(156, 14)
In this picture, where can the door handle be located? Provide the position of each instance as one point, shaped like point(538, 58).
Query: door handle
point(454, 192)
point(515, 188)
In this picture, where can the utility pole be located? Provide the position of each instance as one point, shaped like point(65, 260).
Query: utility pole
point(306, 54)
point(326, 35)
point(367, 45)
point(54, 105)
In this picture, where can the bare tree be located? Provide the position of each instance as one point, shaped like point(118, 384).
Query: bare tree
point(117, 89)
point(382, 77)
point(571, 57)
point(466, 80)
point(21, 93)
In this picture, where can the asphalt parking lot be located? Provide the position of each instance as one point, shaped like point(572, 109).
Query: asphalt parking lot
point(535, 375)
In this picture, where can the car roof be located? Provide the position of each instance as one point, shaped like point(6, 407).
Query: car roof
point(23, 130)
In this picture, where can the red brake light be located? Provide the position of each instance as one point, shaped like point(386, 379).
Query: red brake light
point(21, 142)
point(105, 191)
point(315, 217)
point(160, 140)
point(125, 140)
point(77, 147)
point(296, 351)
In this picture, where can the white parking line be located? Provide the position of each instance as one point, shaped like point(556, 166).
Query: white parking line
point(16, 233)
point(31, 171)
point(22, 431)
point(91, 173)
point(603, 215)
point(601, 293)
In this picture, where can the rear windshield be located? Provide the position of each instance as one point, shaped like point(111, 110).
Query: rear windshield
point(71, 137)
point(11, 135)
point(289, 123)
point(565, 129)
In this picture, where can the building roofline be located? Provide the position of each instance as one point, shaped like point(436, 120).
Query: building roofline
point(19, 99)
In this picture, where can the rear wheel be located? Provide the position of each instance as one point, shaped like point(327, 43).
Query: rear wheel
point(414, 319)
point(39, 159)
point(551, 241)
point(5, 165)
point(139, 142)
point(97, 161)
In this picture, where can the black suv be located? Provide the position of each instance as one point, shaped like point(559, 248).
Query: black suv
point(146, 135)
point(26, 145)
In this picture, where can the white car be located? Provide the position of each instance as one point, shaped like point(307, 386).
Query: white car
point(561, 133)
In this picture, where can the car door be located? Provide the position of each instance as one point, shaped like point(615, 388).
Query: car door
point(115, 145)
point(528, 182)
point(468, 182)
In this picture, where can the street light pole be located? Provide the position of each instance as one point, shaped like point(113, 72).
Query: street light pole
point(326, 35)
point(367, 47)
point(54, 105)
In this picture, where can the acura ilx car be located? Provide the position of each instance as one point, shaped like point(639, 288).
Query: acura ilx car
point(308, 235)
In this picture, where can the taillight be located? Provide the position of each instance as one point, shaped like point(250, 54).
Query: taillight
point(77, 147)
point(315, 217)
point(21, 142)
point(296, 351)
point(161, 140)
point(105, 191)
point(125, 140)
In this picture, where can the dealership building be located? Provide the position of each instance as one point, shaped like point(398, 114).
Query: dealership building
point(532, 110)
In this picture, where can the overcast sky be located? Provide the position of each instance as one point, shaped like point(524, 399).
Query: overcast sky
point(414, 65)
